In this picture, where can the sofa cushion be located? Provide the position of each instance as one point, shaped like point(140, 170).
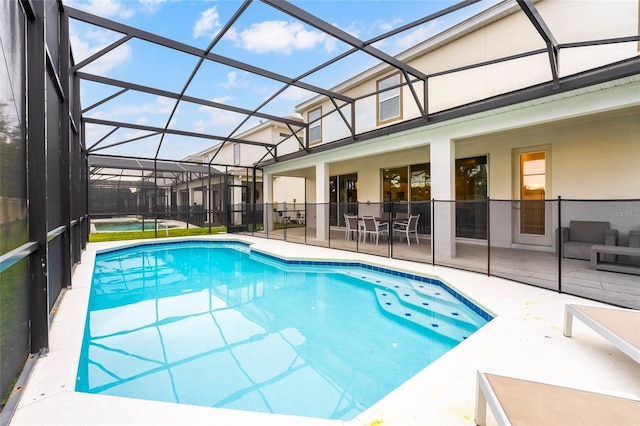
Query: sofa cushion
point(577, 250)
point(588, 231)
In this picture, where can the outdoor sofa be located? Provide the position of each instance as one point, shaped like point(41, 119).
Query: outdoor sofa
point(576, 239)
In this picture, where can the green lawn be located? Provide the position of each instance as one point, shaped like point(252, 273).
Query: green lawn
point(140, 235)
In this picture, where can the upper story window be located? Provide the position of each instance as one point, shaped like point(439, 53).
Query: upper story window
point(315, 127)
point(205, 159)
point(389, 101)
point(236, 154)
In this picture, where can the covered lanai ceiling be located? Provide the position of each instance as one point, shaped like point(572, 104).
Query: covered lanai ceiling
point(177, 95)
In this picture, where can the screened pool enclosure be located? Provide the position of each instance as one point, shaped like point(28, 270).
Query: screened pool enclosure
point(68, 160)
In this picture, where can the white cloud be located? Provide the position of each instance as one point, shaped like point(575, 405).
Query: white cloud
point(218, 121)
point(134, 134)
point(386, 26)
point(232, 80)
point(294, 93)
point(151, 5)
point(235, 79)
point(104, 8)
point(280, 36)
point(160, 106)
point(418, 35)
point(90, 42)
point(208, 23)
point(222, 99)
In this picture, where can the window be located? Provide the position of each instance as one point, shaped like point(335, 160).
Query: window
point(394, 184)
point(421, 182)
point(389, 101)
point(407, 190)
point(471, 197)
point(315, 125)
point(205, 159)
point(236, 154)
point(471, 178)
point(343, 197)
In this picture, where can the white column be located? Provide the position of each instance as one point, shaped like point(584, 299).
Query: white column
point(237, 199)
point(443, 190)
point(267, 195)
point(322, 201)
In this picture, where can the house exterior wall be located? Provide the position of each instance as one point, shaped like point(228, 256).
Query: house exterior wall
point(287, 189)
point(598, 127)
point(591, 157)
point(509, 35)
point(269, 133)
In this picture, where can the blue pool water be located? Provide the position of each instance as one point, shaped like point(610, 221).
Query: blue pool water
point(217, 325)
point(128, 226)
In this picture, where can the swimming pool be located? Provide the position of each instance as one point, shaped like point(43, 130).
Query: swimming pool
point(130, 225)
point(217, 324)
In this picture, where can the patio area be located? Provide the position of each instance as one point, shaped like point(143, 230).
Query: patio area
point(524, 340)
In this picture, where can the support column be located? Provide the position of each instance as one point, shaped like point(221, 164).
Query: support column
point(322, 201)
point(65, 153)
point(443, 190)
point(267, 197)
point(37, 179)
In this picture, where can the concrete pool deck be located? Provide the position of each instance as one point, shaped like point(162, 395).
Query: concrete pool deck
point(524, 340)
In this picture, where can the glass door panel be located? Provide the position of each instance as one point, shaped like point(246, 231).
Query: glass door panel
point(531, 212)
point(343, 197)
point(532, 193)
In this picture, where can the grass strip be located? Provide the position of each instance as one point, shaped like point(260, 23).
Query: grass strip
point(142, 235)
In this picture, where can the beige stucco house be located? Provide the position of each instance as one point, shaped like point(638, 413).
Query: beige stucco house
point(522, 128)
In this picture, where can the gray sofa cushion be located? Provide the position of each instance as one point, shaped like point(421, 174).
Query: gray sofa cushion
point(577, 250)
point(587, 231)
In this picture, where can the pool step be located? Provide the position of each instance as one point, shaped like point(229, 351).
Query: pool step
point(433, 308)
point(439, 305)
point(430, 299)
point(444, 327)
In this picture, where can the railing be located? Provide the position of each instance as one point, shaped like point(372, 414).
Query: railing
point(512, 239)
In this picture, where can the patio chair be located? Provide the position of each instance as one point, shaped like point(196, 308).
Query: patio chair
point(385, 217)
point(300, 217)
point(407, 228)
point(621, 327)
point(522, 402)
point(402, 216)
point(352, 229)
point(372, 227)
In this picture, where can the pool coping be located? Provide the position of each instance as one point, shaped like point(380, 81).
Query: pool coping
point(524, 339)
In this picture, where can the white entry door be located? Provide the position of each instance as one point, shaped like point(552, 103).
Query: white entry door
point(531, 213)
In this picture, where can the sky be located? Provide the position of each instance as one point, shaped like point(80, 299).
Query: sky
point(263, 37)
